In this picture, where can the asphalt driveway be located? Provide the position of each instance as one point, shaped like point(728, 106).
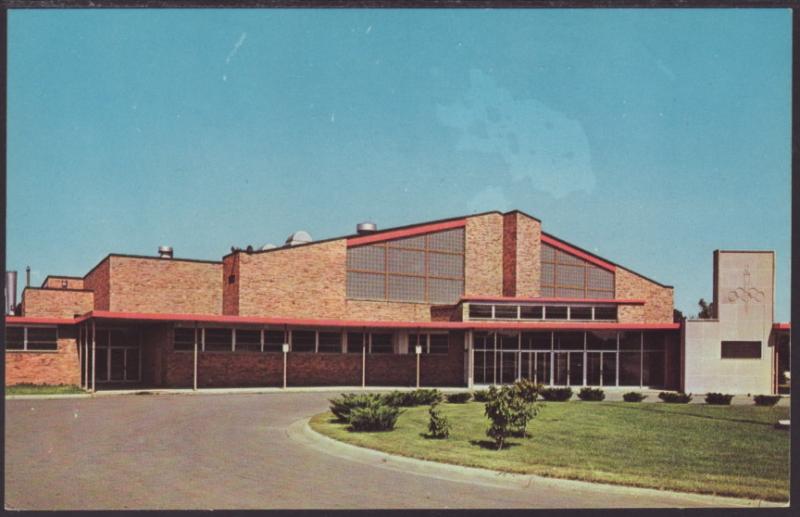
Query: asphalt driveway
point(214, 451)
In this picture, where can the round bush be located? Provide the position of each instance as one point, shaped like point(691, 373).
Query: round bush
point(459, 398)
point(633, 396)
point(591, 394)
point(766, 400)
point(718, 399)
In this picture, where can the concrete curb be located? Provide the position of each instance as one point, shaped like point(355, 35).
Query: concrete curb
point(50, 396)
point(301, 432)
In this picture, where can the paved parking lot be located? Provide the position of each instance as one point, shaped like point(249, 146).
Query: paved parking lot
point(214, 451)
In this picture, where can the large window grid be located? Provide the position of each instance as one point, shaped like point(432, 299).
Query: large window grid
point(542, 312)
point(431, 343)
point(567, 276)
point(425, 268)
point(570, 358)
point(32, 339)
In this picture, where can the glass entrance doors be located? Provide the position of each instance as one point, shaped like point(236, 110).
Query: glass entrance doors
point(118, 356)
point(571, 358)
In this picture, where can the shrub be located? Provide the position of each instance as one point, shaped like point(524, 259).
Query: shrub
point(438, 426)
point(766, 400)
point(345, 403)
point(527, 390)
point(556, 394)
point(420, 397)
point(720, 399)
point(633, 396)
point(591, 394)
point(374, 417)
point(675, 398)
point(424, 397)
point(508, 413)
point(480, 395)
point(459, 398)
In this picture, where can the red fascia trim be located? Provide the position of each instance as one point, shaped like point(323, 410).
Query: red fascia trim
point(407, 232)
point(578, 253)
point(36, 320)
point(300, 322)
point(617, 301)
point(782, 326)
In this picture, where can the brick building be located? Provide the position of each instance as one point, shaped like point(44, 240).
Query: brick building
point(480, 299)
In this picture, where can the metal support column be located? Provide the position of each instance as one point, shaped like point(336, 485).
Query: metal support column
point(194, 375)
point(363, 358)
point(470, 359)
point(417, 353)
point(85, 357)
point(94, 350)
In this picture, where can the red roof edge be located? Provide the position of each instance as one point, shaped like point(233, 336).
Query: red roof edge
point(782, 326)
point(617, 301)
point(578, 253)
point(456, 325)
point(406, 232)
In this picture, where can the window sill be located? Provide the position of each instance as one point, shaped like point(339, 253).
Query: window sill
point(33, 351)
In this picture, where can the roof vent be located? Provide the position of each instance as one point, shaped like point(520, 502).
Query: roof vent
point(298, 237)
point(165, 252)
point(268, 246)
point(366, 227)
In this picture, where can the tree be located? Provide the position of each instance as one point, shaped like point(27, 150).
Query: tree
point(508, 413)
point(677, 316)
point(706, 310)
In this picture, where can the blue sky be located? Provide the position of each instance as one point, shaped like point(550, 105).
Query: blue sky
point(650, 137)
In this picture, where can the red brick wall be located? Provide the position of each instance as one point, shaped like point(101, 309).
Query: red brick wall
point(55, 282)
point(303, 282)
point(658, 300)
point(165, 285)
point(230, 290)
point(509, 254)
point(521, 250)
point(483, 259)
point(57, 367)
point(56, 303)
point(218, 369)
point(98, 280)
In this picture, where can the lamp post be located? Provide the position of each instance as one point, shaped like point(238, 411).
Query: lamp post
point(418, 350)
point(285, 356)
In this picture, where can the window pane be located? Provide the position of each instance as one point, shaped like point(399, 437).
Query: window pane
point(483, 340)
point(440, 264)
point(629, 368)
point(630, 340)
point(531, 312)
point(303, 340)
point(448, 240)
point(555, 312)
point(580, 313)
point(653, 372)
point(547, 291)
point(480, 311)
point(49, 334)
point(536, 341)
point(609, 369)
point(600, 295)
point(355, 340)
point(508, 341)
point(600, 279)
point(548, 274)
point(406, 261)
point(370, 258)
point(274, 340)
point(569, 292)
point(565, 258)
point(15, 337)
point(601, 340)
point(417, 339)
point(605, 313)
point(444, 291)
point(330, 342)
point(439, 343)
point(218, 340)
point(381, 343)
point(366, 285)
point(654, 341)
point(570, 276)
point(548, 253)
point(184, 339)
point(248, 340)
point(505, 311)
point(101, 364)
point(569, 340)
point(406, 288)
point(410, 242)
point(593, 369)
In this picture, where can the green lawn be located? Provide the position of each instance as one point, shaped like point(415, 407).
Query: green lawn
point(723, 450)
point(41, 389)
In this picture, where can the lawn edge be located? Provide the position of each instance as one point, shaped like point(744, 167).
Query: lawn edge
point(609, 483)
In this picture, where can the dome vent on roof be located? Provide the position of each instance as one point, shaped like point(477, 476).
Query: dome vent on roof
point(298, 237)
